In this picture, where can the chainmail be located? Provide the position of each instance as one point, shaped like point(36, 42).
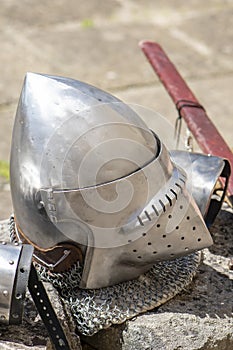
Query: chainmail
point(98, 309)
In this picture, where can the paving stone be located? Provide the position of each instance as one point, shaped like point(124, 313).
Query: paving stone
point(97, 42)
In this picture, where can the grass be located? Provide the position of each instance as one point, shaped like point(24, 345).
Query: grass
point(87, 23)
point(4, 170)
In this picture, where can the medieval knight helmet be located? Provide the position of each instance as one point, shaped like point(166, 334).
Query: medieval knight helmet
point(92, 184)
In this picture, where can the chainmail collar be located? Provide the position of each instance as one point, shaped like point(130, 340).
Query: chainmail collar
point(97, 309)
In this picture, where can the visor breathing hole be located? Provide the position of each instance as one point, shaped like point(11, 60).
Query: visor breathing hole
point(144, 234)
point(182, 238)
point(158, 225)
point(139, 257)
point(169, 216)
point(149, 243)
point(188, 217)
point(164, 236)
point(199, 239)
point(194, 228)
point(169, 245)
point(135, 250)
point(177, 227)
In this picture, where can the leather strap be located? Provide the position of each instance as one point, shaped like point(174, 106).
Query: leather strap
point(46, 311)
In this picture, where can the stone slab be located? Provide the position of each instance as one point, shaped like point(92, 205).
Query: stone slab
point(199, 318)
point(97, 42)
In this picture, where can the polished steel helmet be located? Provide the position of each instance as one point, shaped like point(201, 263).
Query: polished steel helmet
point(91, 184)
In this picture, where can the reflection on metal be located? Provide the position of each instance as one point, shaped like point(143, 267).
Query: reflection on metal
point(203, 172)
point(86, 170)
point(15, 263)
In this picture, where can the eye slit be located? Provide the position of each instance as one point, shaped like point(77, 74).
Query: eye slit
point(155, 210)
point(147, 215)
point(140, 221)
point(162, 205)
point(169, 200)
point(180, 178)
point(172, 191)
point(178, 185)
